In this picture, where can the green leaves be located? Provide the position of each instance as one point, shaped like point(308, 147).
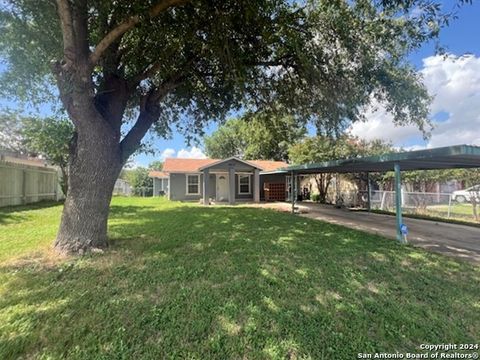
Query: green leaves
point(255, 137)
point(323, 62)
point(139, 180)
point(46, 137)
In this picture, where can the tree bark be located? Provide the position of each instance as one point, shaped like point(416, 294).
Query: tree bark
point(323, 182)
point(97, 111)
point(95, 163)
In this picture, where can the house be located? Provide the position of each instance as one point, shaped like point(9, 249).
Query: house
point(160, 182)
point(122, 187)
point(25, 180)
point(222, 180)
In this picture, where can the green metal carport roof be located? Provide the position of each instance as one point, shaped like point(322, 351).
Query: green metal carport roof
point(451, 157)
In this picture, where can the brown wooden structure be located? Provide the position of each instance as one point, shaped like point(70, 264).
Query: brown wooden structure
point(274, 191)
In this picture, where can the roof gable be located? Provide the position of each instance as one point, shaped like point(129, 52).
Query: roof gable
point(230, 159)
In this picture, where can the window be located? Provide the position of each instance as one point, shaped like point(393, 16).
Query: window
point(244, 184)
point(193, 184)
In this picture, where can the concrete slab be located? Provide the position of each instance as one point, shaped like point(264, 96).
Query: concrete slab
point(460, 241)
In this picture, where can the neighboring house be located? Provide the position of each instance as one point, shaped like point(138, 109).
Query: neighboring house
point(25, 180)
point(16, 158)
point(122, 187)
point(160, 182)
point(353, 192)
point(228, 180)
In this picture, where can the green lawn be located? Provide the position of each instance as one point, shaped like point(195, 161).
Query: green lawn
point(457, 211)
point(186, 281)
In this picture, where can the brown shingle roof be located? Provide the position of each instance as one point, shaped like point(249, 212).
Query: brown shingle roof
point(157, 174)
point(172, 165)
point(268, 165)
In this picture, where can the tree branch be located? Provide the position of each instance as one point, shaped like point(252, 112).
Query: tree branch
point(148, 72)
point(80, 26)
point(65, 14)
point(149, 113)
point(128, 24)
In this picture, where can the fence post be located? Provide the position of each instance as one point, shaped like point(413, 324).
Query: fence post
point(382, 204)
point(398, 202)
point(24, 186)
point(449, 206)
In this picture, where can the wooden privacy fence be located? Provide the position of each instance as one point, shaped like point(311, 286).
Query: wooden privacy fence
point(25, 184)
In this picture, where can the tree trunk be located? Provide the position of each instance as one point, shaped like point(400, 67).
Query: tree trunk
point(94, 167)
point(64, 180)
point(323, 181)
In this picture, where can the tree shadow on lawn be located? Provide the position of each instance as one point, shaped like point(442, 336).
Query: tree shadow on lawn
point(223, 283)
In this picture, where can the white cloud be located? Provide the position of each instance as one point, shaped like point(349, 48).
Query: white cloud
point(193, 153)
point(168, 152)
point(455, 84)
point(380, 126)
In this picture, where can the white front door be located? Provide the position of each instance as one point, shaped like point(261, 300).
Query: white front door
point(222, 187)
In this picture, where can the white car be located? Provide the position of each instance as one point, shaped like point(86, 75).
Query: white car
point(465, 195)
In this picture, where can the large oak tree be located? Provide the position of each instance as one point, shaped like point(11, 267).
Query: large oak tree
point(182, 63)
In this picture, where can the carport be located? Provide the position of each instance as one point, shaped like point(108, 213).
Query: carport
point(451, 157)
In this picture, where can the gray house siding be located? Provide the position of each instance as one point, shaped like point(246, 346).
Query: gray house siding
point(239, 166)
point(178, 184)
point(212, 186)
point(178, 187)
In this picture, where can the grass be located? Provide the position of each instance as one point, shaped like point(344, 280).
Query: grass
point(457, 211)
point(459, 214)
point(186, 281)
point(431, 216)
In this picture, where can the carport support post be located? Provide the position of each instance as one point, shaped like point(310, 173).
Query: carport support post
point(398, 202)
point(292, 191)
point(369, 193)
point(256, 185)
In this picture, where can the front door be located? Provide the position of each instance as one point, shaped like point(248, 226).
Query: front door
point(222, 187)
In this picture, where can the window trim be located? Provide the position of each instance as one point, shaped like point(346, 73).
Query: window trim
point(249, 176)
point(186, 184)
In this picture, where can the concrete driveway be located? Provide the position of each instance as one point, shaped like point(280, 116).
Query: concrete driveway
point(460, 241)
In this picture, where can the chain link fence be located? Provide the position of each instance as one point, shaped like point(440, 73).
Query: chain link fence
point(143, 191)
point(439, 205)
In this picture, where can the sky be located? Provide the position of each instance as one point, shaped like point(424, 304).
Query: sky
point(454, 81)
